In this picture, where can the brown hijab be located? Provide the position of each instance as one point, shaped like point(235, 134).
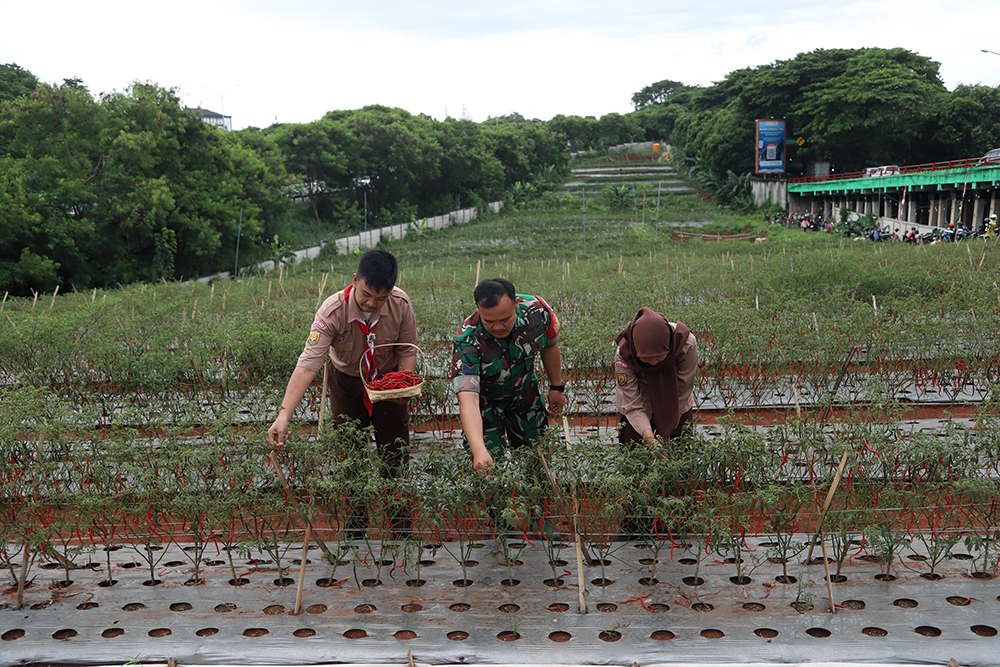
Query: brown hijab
point(650, 335)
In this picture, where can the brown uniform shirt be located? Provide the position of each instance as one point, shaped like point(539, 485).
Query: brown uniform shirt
point(635, 403)
point(335, 326)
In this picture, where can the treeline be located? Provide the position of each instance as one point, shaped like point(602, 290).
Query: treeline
point(131, 186)
point(402, 167)
point(852, 107)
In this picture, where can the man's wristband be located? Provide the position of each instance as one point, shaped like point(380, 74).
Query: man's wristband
point(557, 387)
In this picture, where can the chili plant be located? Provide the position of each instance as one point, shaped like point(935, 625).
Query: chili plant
point(604, 486)
point(519, 489)
point(980, 499)
point(454, 498)
point(270, 524)
point(780, 506)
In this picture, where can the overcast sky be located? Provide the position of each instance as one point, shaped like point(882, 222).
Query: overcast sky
point(260, 61)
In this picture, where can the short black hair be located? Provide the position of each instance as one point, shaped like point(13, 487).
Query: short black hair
point(489, 292)
point(378, 268)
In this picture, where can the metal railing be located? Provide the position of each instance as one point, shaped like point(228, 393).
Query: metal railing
point(967, 163)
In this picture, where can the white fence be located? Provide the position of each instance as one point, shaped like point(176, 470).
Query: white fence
point(371, 238)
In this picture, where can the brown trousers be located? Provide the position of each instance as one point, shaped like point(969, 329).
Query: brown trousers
point(390, 419)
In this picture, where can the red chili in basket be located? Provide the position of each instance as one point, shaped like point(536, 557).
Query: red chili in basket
point(395, 380)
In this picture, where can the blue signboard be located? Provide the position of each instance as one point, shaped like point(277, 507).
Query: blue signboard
point(770, 147)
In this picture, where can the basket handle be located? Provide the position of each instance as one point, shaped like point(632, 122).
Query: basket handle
point(361, 361)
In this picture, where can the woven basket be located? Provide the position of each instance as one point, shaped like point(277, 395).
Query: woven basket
point(375, 395)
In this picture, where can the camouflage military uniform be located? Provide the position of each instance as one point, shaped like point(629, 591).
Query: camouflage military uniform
point(502, 372)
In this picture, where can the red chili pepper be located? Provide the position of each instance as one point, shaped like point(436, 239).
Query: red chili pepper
point(395, 380)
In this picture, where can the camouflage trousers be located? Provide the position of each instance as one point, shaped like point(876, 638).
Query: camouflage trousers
point(514, 421)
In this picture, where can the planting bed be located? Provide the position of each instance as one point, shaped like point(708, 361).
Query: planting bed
point(137, 418)
point(908, 619)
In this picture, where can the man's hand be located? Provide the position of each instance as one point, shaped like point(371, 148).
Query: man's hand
point(482, 462)
point(557, 401)
point(278, 433)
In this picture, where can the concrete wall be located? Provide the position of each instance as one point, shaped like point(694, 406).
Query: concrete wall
point(637, 147)
point(371, 238)
point(769, 191)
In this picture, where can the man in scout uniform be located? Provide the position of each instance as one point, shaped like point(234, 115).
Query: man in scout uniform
point(352, 324)
point(493, 370)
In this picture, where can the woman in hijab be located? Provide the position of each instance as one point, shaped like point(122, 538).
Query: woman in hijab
point(655, 366)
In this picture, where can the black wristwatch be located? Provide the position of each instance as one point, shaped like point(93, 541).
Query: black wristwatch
point(558, 387)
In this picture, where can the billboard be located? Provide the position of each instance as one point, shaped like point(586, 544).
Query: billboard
point(770, 147)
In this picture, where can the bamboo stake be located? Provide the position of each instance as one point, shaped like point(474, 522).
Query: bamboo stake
point(798, 406)
point(302, 570)
point(54, 295)
point(580, 550)
point(581, 582)
point(322, 290)
point(826, 567)
point(322, 400)
point(20, 580)
point(829, 500)
point(843, 459)
point(293, 501)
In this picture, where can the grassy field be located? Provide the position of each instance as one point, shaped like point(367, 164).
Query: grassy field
point(800, 298)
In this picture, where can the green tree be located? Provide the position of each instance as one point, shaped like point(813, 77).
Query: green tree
point(855, 107)
point(92, 188)
point(656, 93)
point(319, 155)
point(524, 149)
point(397, 156)
point(967, 124)
point(75, 83)
point(48, 179)
point(15, 82)
point(469, 172)
point(579, 132)
point(873, 111)
point(615, 128)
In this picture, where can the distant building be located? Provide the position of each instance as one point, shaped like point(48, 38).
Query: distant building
point(213, 118)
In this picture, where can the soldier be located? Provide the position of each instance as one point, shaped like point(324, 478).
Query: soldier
point(493, 370)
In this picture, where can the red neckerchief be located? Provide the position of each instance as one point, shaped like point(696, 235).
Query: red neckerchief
point(368, 329)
